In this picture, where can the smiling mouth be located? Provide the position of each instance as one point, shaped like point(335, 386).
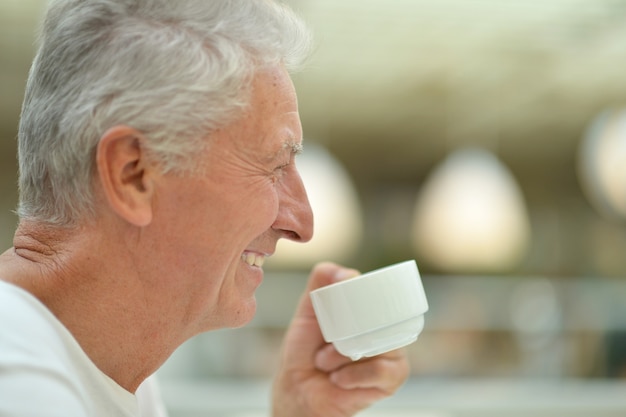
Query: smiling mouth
point(253, 259)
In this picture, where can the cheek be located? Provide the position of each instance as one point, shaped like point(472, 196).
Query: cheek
point(222, 213)
point(244, 214)
point(260, 209)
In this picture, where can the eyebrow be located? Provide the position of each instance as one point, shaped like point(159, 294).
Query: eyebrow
point(290, 145)
point(295, 147)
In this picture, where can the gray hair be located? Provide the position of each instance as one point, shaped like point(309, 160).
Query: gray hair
point(174, 70)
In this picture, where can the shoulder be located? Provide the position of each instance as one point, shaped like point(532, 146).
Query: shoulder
point(31, 333)
point(34, 371)
point(44, 371)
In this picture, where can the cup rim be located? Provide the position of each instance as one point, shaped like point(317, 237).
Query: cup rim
point(369, 274)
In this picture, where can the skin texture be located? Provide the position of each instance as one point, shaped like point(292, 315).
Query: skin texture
point(170, 256)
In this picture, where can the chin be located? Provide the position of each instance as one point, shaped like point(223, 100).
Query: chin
point(244, 315)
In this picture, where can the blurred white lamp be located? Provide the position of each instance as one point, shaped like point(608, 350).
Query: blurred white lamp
point(338, 218)
point(470, 215)
point(602, 164)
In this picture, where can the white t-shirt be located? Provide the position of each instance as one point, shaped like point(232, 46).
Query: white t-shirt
point(45, 373)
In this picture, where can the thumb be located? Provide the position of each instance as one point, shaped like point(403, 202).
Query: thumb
point(323, 274)
point(304, 337)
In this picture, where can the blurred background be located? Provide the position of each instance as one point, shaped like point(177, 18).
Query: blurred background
point(487, 140)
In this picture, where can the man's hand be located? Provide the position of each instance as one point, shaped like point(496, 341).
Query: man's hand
point(314, 380)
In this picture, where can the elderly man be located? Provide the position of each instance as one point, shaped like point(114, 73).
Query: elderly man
point(157, 151)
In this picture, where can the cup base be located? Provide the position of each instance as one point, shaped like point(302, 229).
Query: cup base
point(381, 340)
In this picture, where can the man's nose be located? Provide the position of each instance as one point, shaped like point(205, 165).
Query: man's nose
point(295, 216)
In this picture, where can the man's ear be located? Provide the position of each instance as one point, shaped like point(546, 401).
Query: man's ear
point(126, 174)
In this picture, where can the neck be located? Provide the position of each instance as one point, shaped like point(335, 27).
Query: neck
point(98, 295)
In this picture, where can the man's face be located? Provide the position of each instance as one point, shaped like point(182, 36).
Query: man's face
point(224, 222)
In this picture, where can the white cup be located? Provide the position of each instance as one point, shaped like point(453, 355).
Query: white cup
point(373, 313)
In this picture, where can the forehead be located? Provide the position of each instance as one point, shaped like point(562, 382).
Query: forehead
point(269, 126)
point(272, 89)
point(273, 112)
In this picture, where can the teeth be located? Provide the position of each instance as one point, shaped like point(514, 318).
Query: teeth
point(253, 259)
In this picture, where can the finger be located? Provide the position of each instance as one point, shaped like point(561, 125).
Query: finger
point(328, 359)
point(304, 337)
point(385, 372)
point(324, 273)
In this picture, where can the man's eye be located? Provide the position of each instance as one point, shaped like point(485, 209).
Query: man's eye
point(279, 171)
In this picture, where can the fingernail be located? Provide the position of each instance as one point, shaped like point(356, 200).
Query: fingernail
point(319, 359)
point(345, 273)
point(334, 378)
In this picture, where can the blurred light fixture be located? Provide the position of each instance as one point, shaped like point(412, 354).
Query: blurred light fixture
point(470, 215)
point(602, 164)
point(338, 218)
